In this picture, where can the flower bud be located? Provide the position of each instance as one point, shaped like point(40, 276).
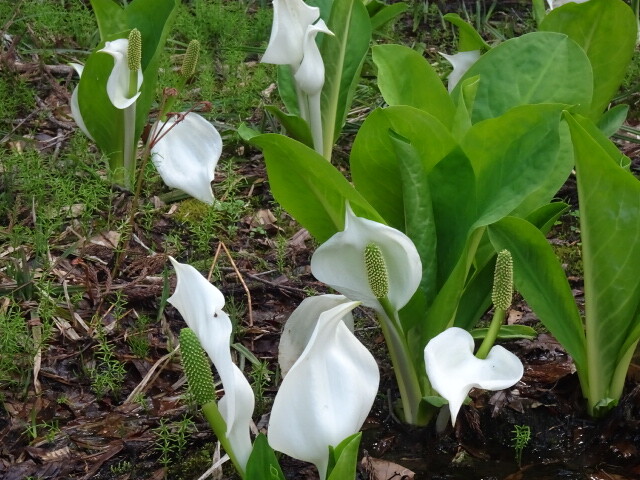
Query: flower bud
point(502, 293)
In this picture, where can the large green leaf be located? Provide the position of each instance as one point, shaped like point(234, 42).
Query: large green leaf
point(343, 56)
point(470, 39)
point(406, 78)
point(110, 17)
point(262, 463)
point(453, 185)
point(295, 126)
point(287, 89)
point(540, 67)
point(418, 213)
point(343, 459)
point(308, 187)
point(606, 30)
point(539, 277)
point(521, 159)
point(609, 199)
point(382, 13)
point(374, 168)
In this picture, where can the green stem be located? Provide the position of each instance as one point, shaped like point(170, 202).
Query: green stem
point(620, 373)
point(219, 427)
point(315, 122)
point(130, 144)
point(492, 333)
point(170, 101)
point(404, 369)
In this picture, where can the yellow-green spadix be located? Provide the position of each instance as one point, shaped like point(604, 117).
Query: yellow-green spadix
point(200, 305)
point(340, 262)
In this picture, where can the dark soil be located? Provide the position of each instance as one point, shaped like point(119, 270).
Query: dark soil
point(54, 426)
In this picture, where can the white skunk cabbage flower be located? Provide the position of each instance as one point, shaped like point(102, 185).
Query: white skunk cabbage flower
point(461, 62)
point(453, 370)
point(301, 324)
point(558, 3)
point(200, 304)
point(118, 81)
point(187, 154)
point(340, 262)
point(75, 105)
point(327, 394)
point(291, 19)
point(310, 74)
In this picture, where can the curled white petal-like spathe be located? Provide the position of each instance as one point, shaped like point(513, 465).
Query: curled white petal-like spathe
point(327, 394)
point(461, 62)
point(339, 262)
point(118, 81)
point(75, 104)
point(454, 370)
point(187, 155)
point(200, 305)
point(301, 324)
point(290, 21)
point(310, 75)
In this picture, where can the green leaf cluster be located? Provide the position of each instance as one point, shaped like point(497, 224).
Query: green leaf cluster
point(450, 170)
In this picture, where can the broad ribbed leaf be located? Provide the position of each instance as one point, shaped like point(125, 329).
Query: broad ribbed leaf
point(308, 187)
point(606, 30)
point(540, 67)
point(609, 199)
point(417, 86)
point(374, 168)
point(343, 56)
point(470, 39)
point(418, 212)
point(520, 159)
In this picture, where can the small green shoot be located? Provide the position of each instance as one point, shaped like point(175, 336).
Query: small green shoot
point(521, 438)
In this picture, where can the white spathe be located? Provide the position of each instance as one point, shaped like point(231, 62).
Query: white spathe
point(454, 370)
point(327, 394)
point(461, 62)
point(118, 81)
point(75, 105)
point(339, 262)
point(558, 3)
point(310, 74)
point(301, 324)
point(200, 305)
point(187, 154)
point(291, 18)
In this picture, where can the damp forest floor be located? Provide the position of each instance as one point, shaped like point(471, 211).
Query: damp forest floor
point(91, 385)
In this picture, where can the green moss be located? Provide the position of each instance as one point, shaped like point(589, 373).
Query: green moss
point(16, 99)
point(570, 256)
point(191, 211)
